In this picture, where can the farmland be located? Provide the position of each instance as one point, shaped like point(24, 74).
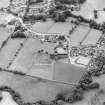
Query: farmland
point(45, 76)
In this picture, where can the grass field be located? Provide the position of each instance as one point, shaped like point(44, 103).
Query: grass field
point(51, 27)
point(67, 72)
point(4, 3)
point(88, 7)
point(3, 35)
point(92, 37)
point(8, 52)
point(27, 55)
point(43, 26)
point(62, 28)
point(78, 34)
point(32, 89)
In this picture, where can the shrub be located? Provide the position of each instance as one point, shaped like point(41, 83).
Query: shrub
point(69, 98)
point(69, 1)
point(18, 73)
point(78, 94)
point(103, 103)
point(94, 86)
point(60, 96)
point(18, 34)
point(35, 1)
point(16, 96)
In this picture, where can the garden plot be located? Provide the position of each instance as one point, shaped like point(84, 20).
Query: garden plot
point(25, 59)
point(92, 37)
point(79, 34)
point(32, 89)
point(8, 51)
point(42, 26)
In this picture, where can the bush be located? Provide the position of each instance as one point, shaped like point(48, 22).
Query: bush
point(18, 73)
point(69, 98)
point(35, 1)
point(94, 86)
point(60, 96)
point(78, 94)
point(69, 1)
point(16, 96)
point(18, 34)
point(4, 43)
point(59, 17)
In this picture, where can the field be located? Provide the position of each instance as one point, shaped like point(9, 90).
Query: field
point(37, 89)
point(32, 89)
point(62, 28)
point(88, 7)
point(27, 54)
point(4, 3)
point(51, 27)
point(3, 35)
point(8, 51)
point(27, 62)
point(92, 37)
point(78, 35)
point(43, 26)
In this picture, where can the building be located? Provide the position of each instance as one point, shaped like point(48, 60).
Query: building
point(40, 8)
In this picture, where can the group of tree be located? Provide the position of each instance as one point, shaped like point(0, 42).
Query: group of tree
point(34, 18)
point(18, 34)
point(16, 96)
point(60, 16)
point(69, 1)
point(34, 1)
point(71, 96)
point(94, 25)
point(96, 68)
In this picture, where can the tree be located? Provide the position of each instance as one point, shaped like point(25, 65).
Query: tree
point(94, 86)
point(59, 17)
point(69, 1)
point(67, 13)
point(18, 34)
